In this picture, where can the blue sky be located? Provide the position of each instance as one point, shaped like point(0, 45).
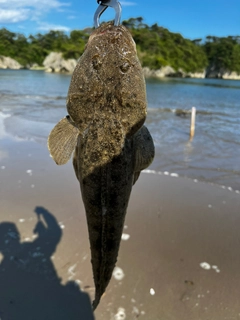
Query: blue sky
point(192, 18)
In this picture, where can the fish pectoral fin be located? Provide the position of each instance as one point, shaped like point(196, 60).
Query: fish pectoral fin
point(144, 151)
point(136, 176)
point(62, 141)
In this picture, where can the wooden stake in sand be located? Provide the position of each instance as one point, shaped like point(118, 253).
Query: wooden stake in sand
point(193, 117)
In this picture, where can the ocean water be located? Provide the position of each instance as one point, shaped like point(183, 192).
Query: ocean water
point(32, 102)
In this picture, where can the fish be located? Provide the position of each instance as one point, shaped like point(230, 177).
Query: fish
point(107, 107)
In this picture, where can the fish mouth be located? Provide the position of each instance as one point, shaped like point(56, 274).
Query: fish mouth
point(115, 31)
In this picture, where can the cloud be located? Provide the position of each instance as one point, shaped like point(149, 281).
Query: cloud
point(127, 3)
point(35, 4)
point(13, 11)
point(13, 16)
point(48, 26)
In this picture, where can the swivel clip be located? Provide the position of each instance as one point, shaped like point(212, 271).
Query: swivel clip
point(104, 4)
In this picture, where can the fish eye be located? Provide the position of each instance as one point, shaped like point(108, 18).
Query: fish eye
point(96, 62)
point(125, 67)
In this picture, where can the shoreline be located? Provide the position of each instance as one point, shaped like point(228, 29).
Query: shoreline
point(149, 73)
point(179, 257)
point(8, 139)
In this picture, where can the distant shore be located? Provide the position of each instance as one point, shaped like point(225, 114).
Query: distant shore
point(55, 63)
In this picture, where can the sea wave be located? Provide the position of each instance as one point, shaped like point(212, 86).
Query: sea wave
point(10, 95)
point(3, 116)
point(27, 129)
point(176, 175)
point(186, 112)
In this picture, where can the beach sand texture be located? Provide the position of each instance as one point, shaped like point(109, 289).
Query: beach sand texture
point(179, 258)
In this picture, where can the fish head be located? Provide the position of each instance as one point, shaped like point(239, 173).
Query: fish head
point(113, 53)
point(108, 80)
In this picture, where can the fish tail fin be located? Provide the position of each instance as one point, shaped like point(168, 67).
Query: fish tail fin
point(96, 301)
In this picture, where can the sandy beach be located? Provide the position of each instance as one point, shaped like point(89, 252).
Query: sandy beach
point(179, 257)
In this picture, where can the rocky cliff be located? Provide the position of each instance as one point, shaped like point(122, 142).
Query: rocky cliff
point(170, 72)
point(9, 63)
point(221, 73)
point(55, 62)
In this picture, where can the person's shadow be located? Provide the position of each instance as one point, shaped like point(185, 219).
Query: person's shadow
point(30, 288)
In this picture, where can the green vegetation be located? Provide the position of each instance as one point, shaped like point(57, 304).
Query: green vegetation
point(156, 47)
point(34, 49)
point(159, 47)
point(223, 52)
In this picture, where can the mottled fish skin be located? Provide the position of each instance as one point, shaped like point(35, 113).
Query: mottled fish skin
point(108, 83)
point(107, 108)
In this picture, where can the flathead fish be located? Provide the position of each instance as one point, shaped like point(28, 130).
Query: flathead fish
point(107, 106)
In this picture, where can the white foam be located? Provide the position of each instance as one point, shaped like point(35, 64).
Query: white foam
point(214, 267)
point(150, 171)
point(152, 292)
point(174, 175)
point(3, 116)
point(29, 171)
point(125, 236)
point(205, 265)
point(118, 273)
point(120, 315)
point(62, 226)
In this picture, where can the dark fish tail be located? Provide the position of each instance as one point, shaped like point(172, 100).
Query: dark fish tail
point(106, 193)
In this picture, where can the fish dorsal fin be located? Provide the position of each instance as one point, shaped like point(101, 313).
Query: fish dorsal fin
point(62, 141)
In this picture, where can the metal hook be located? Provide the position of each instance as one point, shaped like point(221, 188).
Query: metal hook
point(103, 6)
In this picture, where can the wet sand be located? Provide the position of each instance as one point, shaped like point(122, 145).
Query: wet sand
point(179, 257)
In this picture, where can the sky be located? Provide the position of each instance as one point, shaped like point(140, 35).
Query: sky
point(192, 18)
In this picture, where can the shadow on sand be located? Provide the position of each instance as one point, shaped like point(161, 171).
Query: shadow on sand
point(30, 288)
